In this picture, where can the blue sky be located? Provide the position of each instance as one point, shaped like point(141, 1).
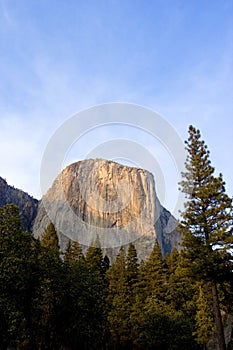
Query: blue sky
point(59, 57)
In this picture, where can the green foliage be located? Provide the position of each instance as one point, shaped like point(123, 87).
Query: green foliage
point(206, 227)
point(81, 303)
point(181, 289)
point(132, 267)
point(172, 260)
point(94, 258)
point(119, 303)
point(204, 316)
point(159, 326)
point(81, 315)
point(19, 275)
point(73, 252)
point(206, 223)
point(162, 315)
point(50, 240)
point(155, 274)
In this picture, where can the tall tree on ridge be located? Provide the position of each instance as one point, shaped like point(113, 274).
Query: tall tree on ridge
point(206, 223)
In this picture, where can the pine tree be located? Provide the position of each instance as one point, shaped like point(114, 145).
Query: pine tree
point(160, 317)
point(204, 317)
point(9, 221)
point(19, 280)
point(94, 257)
point(73, 252)
point(155, 273)
point(206, 223)
point(151, 284)
point(50, 240)
point(97, 266)
point(180, 287)
point(172, 260)
point(119, 300)
point(81, 313)
point(51, 288)
point(132, 266)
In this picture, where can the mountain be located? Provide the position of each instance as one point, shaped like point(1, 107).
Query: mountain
point(103, 202)
point(27, 205)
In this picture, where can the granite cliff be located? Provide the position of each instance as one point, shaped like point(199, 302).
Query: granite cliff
point(100, 200)
point(27, 205)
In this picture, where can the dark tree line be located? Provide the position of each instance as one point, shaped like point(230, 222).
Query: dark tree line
point(76, 302)
point(68, 301)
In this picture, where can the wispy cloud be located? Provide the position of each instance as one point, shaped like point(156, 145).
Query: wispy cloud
point(59, 59)
point(5, 13)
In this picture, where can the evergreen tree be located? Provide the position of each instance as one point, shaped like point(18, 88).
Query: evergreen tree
point(155, 273)
point(160, 327)
point(73, 252)
point(181, 289)
point(19, 281)
point(151, 284)
point(97, 266)
point(94, 257)
point(206, 223)
point(204, 317)
point(160, 315)
point(50, 240)
point(132, 266)
point(9, 222)
point(119, 300)
point(172, 260)
point(51, 289)
point(81, 314)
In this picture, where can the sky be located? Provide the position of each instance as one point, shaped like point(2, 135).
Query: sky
point(61, 57)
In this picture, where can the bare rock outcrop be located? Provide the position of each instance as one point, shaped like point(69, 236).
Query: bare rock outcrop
point(104, 200)
point(27, 204)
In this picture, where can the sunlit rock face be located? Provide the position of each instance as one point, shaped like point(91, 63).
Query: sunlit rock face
point(100, 200)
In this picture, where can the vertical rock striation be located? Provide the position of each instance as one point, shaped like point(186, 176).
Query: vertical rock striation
point(115, 204)
point(27, 204)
